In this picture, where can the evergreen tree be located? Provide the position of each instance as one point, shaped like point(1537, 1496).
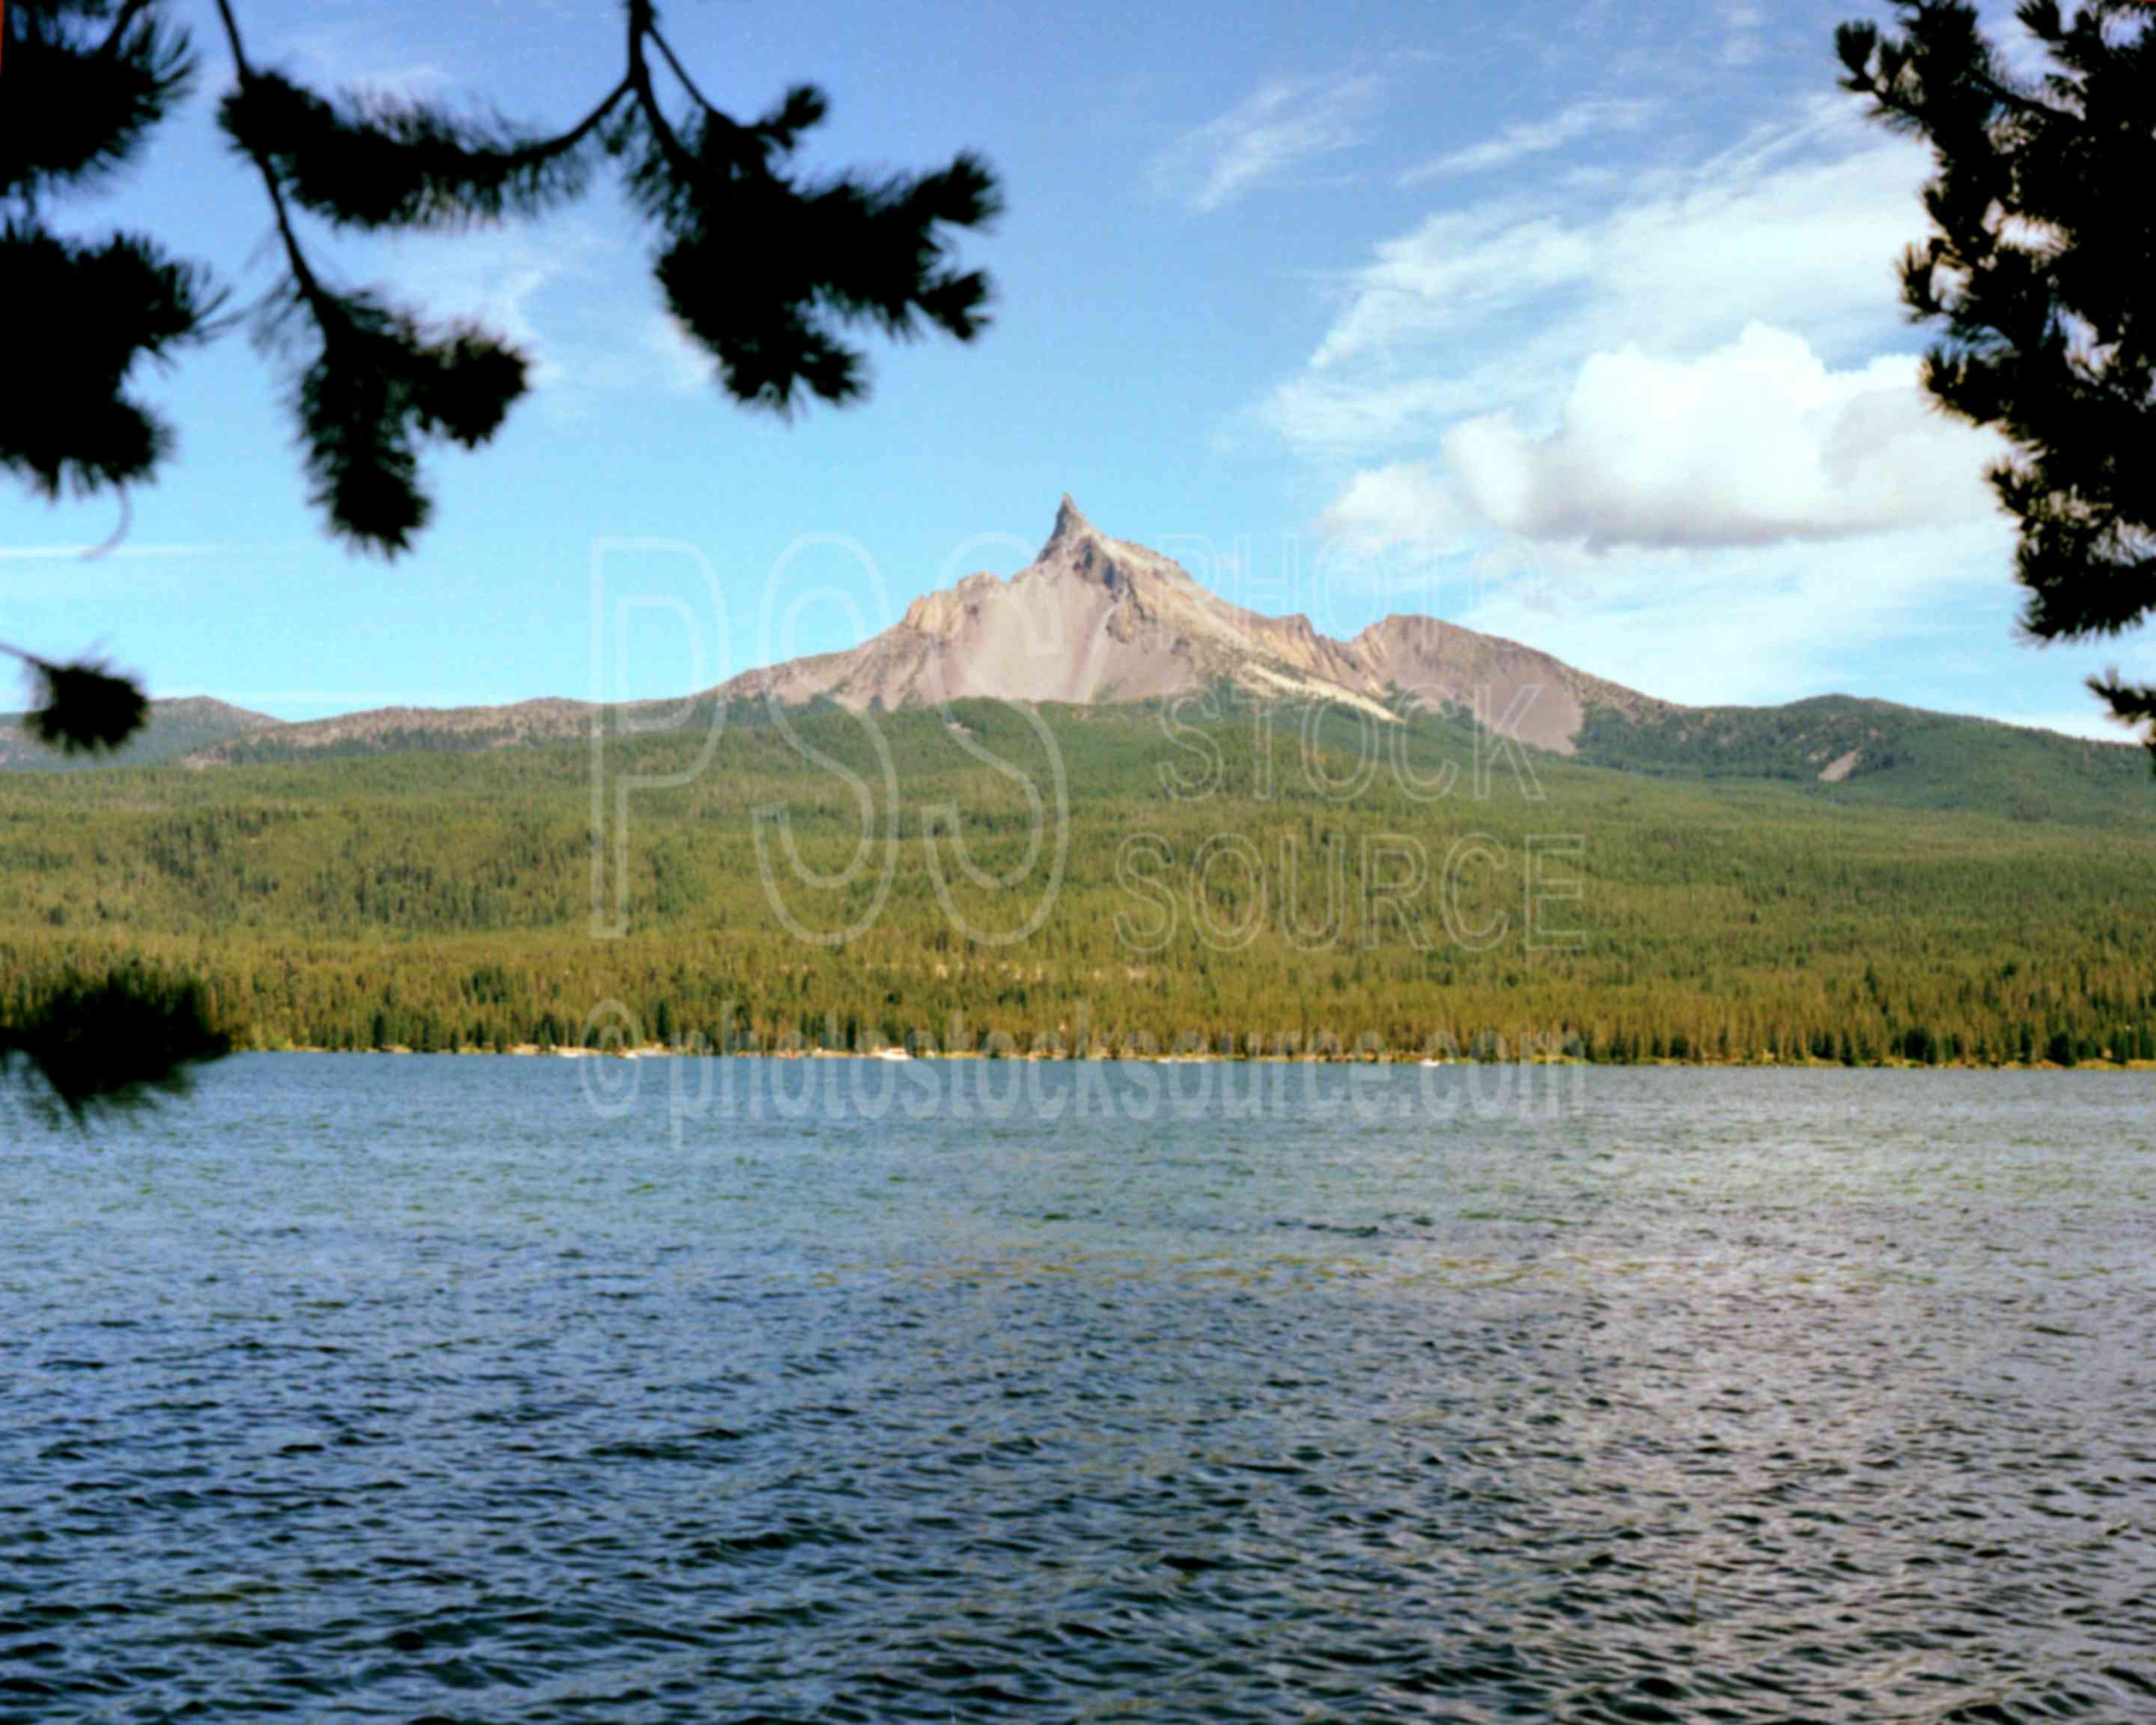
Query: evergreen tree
point(2042, 266)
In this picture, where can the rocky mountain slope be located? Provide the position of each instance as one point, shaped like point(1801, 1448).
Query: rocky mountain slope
point(1091, 619)
point(1094, 620)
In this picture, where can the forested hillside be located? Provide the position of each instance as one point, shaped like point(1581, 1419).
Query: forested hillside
point(1876, 752)
point(442, 902)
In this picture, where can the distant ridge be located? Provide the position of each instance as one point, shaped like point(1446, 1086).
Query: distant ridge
point(1091, 619)
point(1094, 620)
point(174, 728)
point(395, 730)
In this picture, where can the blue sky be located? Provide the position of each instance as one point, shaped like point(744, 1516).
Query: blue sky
point(1573, 322)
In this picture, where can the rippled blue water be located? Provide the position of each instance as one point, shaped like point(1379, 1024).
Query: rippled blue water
point(521, 1390)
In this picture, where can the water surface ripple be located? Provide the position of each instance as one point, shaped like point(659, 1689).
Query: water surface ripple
point(401, 1389)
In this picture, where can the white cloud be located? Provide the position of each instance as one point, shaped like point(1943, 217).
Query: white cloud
point(1277, 128)
point(1799, 226)
point(1659, 370)
point(1497, 304)
point(1408, 504)
point(1736, 527)
point(1667, 428)
point(1767, 622)
point(1748, 444)
point(1534, 138)
point(498, 277)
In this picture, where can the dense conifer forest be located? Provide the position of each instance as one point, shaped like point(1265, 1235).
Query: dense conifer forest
point(1232, 878)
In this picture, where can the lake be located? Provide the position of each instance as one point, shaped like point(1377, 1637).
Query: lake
point(479, 1389)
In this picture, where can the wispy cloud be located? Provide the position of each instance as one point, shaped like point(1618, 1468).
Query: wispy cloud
point(1657, 373)
point(499, 277)
point(682, 365)
point(578, 303)
point(1740, 43)
point(1763, 623)
point(359, 54)
point(1534, 138)
point(1277, 128)
point(123, 552)
point(1496, 304)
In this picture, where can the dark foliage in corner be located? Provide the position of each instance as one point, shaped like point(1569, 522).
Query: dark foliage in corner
point(102, 1044)
point(767, 269)
point(2042, 266)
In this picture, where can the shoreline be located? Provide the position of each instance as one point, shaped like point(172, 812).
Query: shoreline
point(660, 1051)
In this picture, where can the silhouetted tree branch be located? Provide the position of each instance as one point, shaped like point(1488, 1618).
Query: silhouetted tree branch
point(93, 1045)
point(767, 270)
point(80, 708)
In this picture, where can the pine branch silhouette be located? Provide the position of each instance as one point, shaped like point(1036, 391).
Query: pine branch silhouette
point(81, 708)
point(67, 424)
point(98, 1045)
point(378, 162)
point(80, 102)
point(767, 270)
point(2041, 268)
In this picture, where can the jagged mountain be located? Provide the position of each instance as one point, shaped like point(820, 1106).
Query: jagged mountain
point(1091, 619)
point(174, 727)
point(1094, 619)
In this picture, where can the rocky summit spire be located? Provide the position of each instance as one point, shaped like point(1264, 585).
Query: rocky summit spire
point(1069, 526)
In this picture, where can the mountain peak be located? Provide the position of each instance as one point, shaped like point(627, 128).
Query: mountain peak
point(1097, 618)
point(1070, 525)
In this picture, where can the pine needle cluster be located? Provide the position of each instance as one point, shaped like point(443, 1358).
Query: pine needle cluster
point(2042, 267)
point(769, 268)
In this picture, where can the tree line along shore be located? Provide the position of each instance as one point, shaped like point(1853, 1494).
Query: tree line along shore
point(445, 902)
